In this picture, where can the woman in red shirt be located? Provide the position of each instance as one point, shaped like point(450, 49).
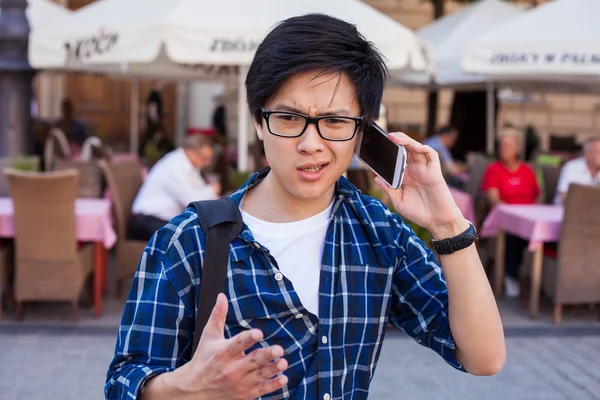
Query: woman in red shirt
point(511, 181)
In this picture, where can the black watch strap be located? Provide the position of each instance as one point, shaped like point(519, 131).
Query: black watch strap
point(456, 243)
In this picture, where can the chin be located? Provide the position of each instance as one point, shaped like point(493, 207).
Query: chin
point(308, 191)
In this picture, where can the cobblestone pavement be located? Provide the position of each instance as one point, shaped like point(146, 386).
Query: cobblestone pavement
point(65, 363)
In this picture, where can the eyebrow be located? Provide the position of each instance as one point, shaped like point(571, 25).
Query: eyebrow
point(337, 111)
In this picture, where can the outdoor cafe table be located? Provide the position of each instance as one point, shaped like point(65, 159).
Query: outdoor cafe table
point(464, 202)
point(94, 224)
point(534, 222)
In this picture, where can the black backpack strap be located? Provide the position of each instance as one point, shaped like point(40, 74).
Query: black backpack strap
point(222, 223)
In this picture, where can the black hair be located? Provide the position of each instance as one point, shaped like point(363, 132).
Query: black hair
point(447, 129)
point(321, 43)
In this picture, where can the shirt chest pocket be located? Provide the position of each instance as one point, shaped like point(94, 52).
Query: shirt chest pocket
point(365, 299)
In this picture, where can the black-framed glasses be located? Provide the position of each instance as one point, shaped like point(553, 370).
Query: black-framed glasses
point(330, 127)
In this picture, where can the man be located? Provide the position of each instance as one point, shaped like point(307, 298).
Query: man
point(583, 170)
point(74, 130)
point(171, 185)
point(319, 270)
point(155, 101)
point(443, 142)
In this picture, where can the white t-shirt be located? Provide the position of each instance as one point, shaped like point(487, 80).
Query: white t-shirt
point(170, 186)
point(298, 249)
point(574, 171)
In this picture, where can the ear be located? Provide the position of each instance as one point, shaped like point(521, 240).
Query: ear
point(259, 130)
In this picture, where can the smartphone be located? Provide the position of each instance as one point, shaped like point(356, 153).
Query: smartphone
point(382, 156)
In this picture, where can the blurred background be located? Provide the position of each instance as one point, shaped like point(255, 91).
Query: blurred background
point(101, 100)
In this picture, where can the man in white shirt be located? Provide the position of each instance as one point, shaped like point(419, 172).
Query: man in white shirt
point(171, 185)
point(582, 170)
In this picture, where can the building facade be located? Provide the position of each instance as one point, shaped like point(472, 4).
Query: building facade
point(105, 102)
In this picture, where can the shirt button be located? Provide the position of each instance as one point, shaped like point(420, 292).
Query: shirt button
point(326, 396)
point(278, 276)
point(298, 316)
point(324, 340)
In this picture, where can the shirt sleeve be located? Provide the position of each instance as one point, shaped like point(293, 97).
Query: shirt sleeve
point(188, 187)
point(490, 179)
point(156, 328)
point(420, 296)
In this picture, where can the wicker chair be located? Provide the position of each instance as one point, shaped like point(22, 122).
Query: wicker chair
point(3, 272)
point(48, 264)
point(473, 186)
point(551, 175)
point(56, 146)
point(124, 181)
point(93, 149)
point(573, 277)
point(90, 182)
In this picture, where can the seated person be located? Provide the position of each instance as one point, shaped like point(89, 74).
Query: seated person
point(584, 170)
point(443, 142)
point(510, 181)
point(173, 183)
point(73, 129)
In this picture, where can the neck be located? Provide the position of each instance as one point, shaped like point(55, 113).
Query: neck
point(271, 202)
point(512, 164)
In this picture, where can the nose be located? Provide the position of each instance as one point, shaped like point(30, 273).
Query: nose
point(310, 141)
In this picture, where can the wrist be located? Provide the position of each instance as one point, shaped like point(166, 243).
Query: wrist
point(173, 385)
point(450, 229)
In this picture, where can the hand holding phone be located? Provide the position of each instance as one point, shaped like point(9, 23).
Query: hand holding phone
point(382, 156)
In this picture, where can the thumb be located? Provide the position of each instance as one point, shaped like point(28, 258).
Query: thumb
point(215, 327)
point(392, 193)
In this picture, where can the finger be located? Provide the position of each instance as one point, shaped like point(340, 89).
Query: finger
point(236, 346)
point(269, 386)
point(215, 326)
point(402, 139)
point(259, 358)
point(392, 193)
point(269, 371)
point(417, 151)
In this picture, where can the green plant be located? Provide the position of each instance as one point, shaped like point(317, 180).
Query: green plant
point(25, 163)
point(238, 178)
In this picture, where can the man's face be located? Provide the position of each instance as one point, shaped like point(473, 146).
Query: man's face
point(205, 156)
point(452, 138)
point(290, 159)
point(592, 155)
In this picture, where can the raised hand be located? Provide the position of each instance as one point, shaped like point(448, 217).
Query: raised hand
point(221, 370)
point(424, 197)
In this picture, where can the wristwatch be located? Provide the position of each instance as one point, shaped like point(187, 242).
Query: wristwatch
point(453, 244)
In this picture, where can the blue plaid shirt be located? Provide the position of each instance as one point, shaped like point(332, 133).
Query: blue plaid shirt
point(374, 271)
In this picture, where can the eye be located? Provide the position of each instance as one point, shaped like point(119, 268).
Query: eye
point(336, 121)
point(286, 117)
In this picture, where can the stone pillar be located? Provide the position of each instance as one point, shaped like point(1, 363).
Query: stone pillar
point(15, 80)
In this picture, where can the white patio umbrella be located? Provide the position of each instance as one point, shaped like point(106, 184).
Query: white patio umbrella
point(171, 38)
point(44, 12)
point(558, 41)
point(447, 39)
point(449, 36)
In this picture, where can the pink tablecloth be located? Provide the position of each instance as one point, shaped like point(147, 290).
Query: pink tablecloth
point(536, 223)
point(94, 221)
point(464, 203)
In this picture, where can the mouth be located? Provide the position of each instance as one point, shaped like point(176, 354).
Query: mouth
point(312, 171)
point(313, 168)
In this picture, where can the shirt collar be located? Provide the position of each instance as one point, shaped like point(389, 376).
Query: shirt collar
point(243, 248)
